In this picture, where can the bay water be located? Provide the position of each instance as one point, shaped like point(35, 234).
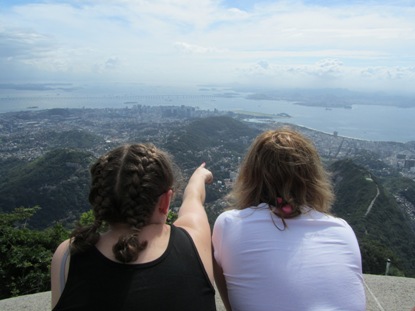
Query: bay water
point(367, 122)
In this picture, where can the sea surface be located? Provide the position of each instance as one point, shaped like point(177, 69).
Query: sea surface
point(367, 122)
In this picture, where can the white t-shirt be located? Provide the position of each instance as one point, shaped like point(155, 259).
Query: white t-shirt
point(314, 264)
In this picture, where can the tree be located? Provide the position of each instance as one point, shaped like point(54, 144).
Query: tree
point(26, 254)
point(374, 257)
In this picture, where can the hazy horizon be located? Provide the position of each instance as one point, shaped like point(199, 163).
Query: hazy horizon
point(356, 45)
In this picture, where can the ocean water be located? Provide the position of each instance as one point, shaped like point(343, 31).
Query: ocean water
point(367, 122)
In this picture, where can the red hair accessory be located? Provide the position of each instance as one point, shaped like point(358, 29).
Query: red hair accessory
point(286, 208)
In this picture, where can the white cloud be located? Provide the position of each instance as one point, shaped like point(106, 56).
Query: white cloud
point(196, 41)
point(193, 48)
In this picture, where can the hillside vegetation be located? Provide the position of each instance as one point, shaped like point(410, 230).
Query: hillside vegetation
point(57, 181)
point(385, 231)
point(377, 207)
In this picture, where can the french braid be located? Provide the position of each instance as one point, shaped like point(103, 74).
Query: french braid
point(126, 184)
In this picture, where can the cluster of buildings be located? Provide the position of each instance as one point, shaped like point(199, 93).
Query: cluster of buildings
point(28, 134)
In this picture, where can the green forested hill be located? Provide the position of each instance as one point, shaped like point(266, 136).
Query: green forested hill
point(57, 181)
point(214, 131)
point(382, 227)
point(211, 132)
point(214, 140)
point(73, 139)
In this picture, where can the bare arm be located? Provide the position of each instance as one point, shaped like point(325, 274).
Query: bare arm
point(192, 216)
point(55, 272)
point(221, 285)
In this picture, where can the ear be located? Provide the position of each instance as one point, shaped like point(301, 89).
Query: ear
point(164, 202)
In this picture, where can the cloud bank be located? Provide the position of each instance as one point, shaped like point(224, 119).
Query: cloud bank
point(353, 44)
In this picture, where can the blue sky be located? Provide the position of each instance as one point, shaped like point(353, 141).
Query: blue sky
point(347, 44)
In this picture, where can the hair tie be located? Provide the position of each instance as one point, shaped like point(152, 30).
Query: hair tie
point(287, 209)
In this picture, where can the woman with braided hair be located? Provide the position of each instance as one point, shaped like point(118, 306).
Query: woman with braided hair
point(279, 248)
point(129, 258)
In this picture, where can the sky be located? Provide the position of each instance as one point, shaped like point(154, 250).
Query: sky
point(358, 45)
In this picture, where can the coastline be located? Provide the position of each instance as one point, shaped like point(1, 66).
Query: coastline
point(365, 123)
point(307, 128)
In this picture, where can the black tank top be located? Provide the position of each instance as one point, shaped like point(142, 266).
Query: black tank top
point(176, 280)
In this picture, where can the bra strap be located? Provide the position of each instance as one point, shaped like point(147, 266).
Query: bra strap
point(63, 269)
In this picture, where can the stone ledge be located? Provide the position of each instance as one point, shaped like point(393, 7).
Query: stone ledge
point(383, 293)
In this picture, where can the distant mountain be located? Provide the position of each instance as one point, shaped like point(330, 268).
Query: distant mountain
point(211, 132)
point(73, 139)
point(206, 139)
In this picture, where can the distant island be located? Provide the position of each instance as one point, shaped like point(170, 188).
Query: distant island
point(260, 115)
point(331, 98)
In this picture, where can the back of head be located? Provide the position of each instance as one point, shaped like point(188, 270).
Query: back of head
point(127, 182)
point(282, 164)
point(125, 187)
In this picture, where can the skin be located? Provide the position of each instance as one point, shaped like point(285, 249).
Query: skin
point(191, 217)
point(221, 285)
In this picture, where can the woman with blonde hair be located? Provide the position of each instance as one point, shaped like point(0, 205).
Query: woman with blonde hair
point(279, 248)
point(137, 262)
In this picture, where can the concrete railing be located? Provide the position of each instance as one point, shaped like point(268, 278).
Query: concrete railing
point(383, 293)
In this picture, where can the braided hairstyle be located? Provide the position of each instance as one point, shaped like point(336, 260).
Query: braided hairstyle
point(125, 187)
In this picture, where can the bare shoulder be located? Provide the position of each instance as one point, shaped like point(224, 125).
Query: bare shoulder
point(60, 251)
point(60, 256)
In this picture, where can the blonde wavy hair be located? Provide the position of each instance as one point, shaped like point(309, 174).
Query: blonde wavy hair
point(283, 164)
